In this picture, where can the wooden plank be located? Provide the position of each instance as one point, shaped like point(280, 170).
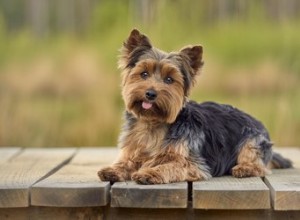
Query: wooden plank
point(77, 184)
point(19, 174)
point(231, 193)
point(108, 213)
point(34, 155)
point(100, 155)
point(130, 194)
point(98, 213)
point(7, 153)
point(190, 213)
point(292, 153)
point(50, 213)
point(285, 189)
point(80, 213)
point(71, 186)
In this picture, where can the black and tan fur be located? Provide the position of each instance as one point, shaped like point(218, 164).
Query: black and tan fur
point(167, 138)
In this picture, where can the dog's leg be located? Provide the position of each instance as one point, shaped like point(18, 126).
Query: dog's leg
point(171, 165)
point(251, 160)
point(119, 171)
point(168, 173)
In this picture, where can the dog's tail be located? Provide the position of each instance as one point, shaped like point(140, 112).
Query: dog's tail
point(279, 162)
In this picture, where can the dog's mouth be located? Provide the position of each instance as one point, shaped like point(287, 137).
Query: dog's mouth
point(148, 109)
point(146, 105)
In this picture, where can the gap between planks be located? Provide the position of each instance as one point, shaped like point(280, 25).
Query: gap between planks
point(88, 157)
point(91, 159)
point(76, 184)
point(25, 169)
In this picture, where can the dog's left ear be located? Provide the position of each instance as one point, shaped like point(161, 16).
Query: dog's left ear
point(194, 57)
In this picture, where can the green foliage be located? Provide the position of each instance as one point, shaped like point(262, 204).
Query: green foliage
point(63, 89)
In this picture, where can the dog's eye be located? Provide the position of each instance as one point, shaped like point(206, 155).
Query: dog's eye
point(168, 80)
point(144, 75)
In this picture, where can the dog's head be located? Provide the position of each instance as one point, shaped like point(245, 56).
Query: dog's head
point(155, 83)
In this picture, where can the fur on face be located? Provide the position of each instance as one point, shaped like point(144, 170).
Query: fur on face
point(168, 75)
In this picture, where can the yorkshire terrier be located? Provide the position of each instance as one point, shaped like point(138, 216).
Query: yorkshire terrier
point(167, 138)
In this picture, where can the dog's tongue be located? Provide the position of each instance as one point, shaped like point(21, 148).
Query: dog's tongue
point(146, 105)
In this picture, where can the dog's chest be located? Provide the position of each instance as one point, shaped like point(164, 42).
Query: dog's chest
point(144, 140)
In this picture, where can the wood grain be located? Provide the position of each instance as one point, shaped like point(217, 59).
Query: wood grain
point(231, 193)
point(285, 189)
point(19, 174)
point(52, 213)
point(108, 213)
point(71, 186)
point(7, 153)
point(190, 213)
point(97, 156)
point(130, 194)
point(76, 184)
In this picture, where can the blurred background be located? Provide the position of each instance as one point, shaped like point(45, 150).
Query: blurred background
point(59, 83)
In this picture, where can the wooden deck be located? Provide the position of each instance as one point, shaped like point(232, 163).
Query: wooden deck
point(62, 184)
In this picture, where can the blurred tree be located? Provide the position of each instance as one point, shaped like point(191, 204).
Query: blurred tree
point(279, 10)
point(37, 16)
point(46, 16)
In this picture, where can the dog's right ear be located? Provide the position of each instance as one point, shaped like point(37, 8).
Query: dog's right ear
point(136, 43)
point(136, 39)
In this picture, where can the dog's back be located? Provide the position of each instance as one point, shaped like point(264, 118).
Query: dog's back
point(220, 133)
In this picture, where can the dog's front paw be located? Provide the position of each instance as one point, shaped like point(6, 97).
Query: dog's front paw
point(243, 170)
point(147, 177)
point(110, 174)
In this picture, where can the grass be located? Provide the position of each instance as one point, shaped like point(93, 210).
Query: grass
point(65, 91)
point(260, 91)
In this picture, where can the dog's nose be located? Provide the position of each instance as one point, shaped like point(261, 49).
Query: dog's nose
point(151, 94)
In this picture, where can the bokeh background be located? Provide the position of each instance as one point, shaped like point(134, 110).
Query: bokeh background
point(59, 83)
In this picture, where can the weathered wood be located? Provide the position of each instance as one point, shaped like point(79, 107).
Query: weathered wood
point(50, 213)
point(130, 194)
point(76, 184)
point(19, 174)
point(231, 193)
point(285, 189)
point(190, 213)
point(108, 213)
point(15, 213)
point(80, 213)
point(69, 191)
point(71, 186)
point(7, 153)
point(147, 214)
point(90, 156)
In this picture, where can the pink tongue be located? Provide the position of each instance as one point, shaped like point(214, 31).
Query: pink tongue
point(146, 105)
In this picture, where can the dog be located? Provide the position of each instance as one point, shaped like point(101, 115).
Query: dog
point(166, 138)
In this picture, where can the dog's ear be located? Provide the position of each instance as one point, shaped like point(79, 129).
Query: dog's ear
point(193, 54)
point(136, 42)
point(136, 39)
